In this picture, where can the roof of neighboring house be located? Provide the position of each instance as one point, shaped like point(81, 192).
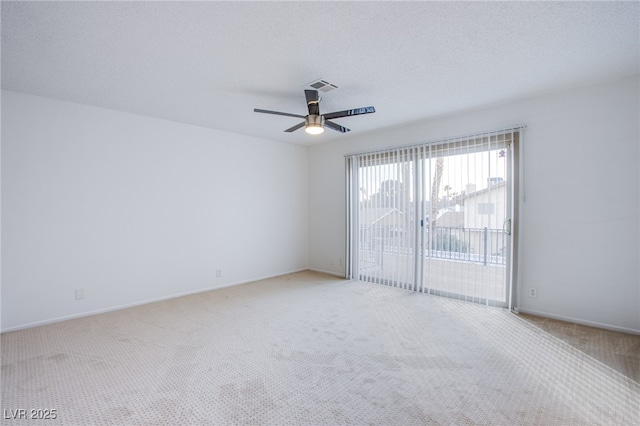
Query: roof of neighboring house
point(373, 216)
point(485, 190)
point(451, 219)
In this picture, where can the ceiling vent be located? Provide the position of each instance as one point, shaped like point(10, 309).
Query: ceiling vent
point(323, 85)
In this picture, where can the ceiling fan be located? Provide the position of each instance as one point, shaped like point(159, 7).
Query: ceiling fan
point(314, 122)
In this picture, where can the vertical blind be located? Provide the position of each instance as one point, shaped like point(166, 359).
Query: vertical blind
point(433, 217)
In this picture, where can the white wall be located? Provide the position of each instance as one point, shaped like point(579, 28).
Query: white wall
point(579, 226)
point(133, 209)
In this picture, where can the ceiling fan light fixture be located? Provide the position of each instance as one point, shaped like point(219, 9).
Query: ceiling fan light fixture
point(314, 129)
point(314, 124)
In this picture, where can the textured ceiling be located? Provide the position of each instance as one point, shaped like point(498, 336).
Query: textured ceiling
point(211, 63)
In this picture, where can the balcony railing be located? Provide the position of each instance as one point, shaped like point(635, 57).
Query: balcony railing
point(486, 246)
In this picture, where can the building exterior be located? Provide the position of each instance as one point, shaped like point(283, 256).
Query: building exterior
point(485, 213)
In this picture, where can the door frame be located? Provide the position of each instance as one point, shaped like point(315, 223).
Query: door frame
point(513, 184)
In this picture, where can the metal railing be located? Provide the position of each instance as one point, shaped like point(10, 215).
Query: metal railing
point(486, 246)
point(478, 245)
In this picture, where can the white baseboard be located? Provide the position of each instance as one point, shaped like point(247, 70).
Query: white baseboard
point(579, 321)
point(142, 302)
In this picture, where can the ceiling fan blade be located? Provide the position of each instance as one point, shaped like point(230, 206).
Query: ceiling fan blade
point(336, 127)
point(294, 128)
point(266, 111)
point(313, 102)
point(349, 112)
point(311, 95)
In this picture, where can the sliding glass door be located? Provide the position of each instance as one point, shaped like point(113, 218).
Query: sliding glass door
point(435, 218)
point(386, 215)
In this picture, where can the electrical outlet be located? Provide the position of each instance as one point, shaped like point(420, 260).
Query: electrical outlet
point(79, 293)
point(341, 262)
point(218, 273)
point(533, 292)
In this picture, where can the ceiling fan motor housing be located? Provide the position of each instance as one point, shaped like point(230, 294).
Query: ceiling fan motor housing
point(314, 120)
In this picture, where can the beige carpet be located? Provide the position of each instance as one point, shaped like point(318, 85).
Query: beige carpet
point(309, 349)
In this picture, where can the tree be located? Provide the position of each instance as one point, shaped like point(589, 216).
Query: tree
point(435, 189)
